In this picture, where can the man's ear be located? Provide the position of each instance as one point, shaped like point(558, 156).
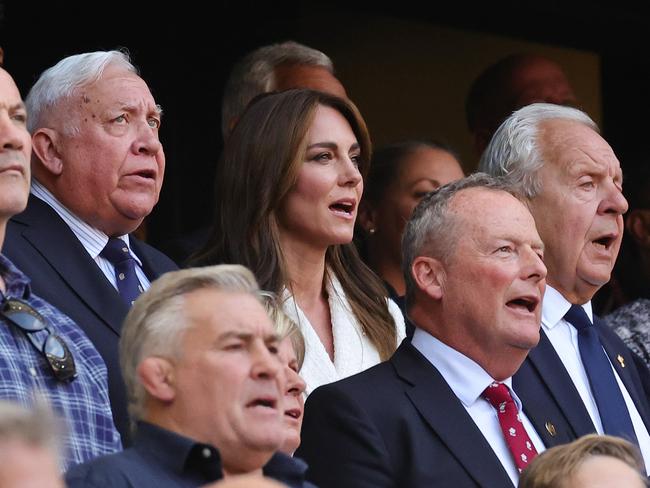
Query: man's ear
point(157, 376)
point(637, 223)
point(367, 217)
point(429, 275)
point(45, 146)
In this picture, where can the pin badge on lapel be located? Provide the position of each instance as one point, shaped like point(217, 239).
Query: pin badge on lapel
point(621, 360)
point(550, 428)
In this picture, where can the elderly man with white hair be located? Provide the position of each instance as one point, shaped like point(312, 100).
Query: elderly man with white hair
point(572, 182)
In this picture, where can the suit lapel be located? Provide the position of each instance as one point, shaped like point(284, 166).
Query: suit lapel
point(148, 266)
point(442, 410)
point(58, 245)
point(559, 385)
point(620, 357)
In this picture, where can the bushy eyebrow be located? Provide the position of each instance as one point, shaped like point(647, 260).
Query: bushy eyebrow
point(130, 107)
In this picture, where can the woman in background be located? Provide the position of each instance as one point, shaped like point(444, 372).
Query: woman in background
point(400, 175)
point(288, 191)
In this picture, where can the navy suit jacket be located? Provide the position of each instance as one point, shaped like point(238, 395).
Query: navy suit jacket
point(399, 424)
point(42, 245)
point(542, 375)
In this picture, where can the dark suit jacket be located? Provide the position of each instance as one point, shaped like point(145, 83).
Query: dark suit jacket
point(542, 375)
point(42, 245)
point(399, 424)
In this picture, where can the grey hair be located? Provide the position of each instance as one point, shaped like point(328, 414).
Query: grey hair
point(59, 82)
point(284, 325)
point(514, 151)
point(254, 74)
point(36, 425)
point(157, 320)
point(432, 231)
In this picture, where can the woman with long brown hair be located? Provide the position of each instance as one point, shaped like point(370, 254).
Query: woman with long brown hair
point(288, 189)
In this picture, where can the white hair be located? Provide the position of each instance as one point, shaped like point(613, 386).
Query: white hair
point(514, 150)
point(59, 82)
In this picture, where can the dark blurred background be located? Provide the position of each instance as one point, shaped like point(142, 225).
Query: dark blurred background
point(185, 51)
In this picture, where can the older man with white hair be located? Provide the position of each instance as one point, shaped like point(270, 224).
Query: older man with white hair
point(98, 167)
point(572, 182)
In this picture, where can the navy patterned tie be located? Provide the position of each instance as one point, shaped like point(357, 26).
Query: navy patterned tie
point(609, 399)
point(117, 252)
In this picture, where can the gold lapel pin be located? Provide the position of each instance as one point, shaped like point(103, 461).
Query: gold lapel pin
point(621, 360)
point(550, 428)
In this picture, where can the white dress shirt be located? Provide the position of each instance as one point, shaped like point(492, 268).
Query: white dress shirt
point(564, 338)
point(93, 240)
point(468, 380)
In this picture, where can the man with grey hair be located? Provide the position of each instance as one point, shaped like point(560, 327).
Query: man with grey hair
point(572, 182)
point(98, 167)
point(272, 68)
point(200, 359)
point(29, 445)
point(442, 410)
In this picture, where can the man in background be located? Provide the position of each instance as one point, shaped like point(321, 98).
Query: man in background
point(98, 168)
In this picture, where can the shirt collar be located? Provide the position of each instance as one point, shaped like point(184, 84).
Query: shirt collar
point(464, 376)
point(16, 282)
point(555, 307)
point(173, 450)
point(92, 239)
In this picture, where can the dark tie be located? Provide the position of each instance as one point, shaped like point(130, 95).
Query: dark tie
point(117, 253)
point(611, 405)
point(521, 447)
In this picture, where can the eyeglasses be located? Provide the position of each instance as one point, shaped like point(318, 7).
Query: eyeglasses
point(54, 348)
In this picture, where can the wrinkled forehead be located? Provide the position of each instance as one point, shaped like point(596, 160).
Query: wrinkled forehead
point(117, 85)
point(568, 144)
point(221, 312)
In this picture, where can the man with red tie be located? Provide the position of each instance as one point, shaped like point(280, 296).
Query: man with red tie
point(442, 410)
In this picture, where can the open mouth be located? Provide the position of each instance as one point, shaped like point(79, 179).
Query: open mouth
point(605, 242)
point(525, 303)
point(344, 207)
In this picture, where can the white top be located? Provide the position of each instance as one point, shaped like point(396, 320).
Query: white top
point(353, 351)
point(564, 338)
point(468, 380)
point(93, 240)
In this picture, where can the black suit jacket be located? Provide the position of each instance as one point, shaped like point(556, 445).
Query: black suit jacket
point(542, 375)
point(42, 245)
point(399, 424)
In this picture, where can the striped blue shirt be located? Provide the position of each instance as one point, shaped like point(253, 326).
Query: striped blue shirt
point(92, 239)
point(83, 403)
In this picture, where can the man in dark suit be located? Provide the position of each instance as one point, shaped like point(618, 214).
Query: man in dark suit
point(572, 182)
point(427, 417)
point(98, 167)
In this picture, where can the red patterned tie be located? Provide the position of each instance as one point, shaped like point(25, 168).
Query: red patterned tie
point(521, 447)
